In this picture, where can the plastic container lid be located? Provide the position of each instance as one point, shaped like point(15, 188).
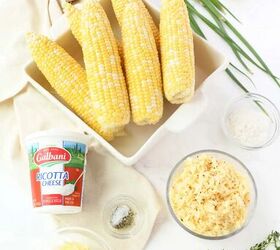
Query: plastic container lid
point(59, 133)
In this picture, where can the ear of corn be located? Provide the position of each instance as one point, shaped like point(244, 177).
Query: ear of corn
point(74, 19)
point(119, 5)
point(67, 77)
point(177, 52)
point(105, 77)
point(142, 66)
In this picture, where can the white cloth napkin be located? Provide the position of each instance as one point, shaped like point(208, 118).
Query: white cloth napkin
point(22, 111)
point(17, 17)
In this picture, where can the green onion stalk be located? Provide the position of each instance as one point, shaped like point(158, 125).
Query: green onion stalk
point(242, 49)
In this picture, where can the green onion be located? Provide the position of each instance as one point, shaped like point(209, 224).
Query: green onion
point(221, 25)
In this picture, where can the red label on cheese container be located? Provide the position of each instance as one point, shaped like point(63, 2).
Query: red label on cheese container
point(52, 199)
point(36, 188)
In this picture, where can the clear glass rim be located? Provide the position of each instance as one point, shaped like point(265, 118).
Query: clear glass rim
point(250, 215)
point(85, 231)
point(276, 119)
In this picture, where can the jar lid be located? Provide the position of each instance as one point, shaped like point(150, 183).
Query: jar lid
point(123, 217)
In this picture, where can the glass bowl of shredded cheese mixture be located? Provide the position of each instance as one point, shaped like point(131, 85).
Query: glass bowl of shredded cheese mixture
point(211, 194)
point(251, 121)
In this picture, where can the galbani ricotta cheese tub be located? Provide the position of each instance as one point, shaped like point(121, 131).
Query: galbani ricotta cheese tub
point(57, 161)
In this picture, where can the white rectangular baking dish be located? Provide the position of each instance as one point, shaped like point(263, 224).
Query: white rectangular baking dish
point(139, 139)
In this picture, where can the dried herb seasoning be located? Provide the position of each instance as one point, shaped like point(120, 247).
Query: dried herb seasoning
point(122, 217)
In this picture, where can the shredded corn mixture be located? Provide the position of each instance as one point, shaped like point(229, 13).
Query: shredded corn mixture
point(210, 196)
point(73, 246)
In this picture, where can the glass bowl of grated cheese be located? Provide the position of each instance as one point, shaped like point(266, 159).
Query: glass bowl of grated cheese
point(211, 194)
point(251, 121)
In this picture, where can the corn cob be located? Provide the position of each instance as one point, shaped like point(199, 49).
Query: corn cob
point(105, 77)
point(142, 66)
point(67, 77)
point(177, 52)
point(74, 19)
point(119, 5)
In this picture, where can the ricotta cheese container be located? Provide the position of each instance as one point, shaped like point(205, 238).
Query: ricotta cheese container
point(57, 164)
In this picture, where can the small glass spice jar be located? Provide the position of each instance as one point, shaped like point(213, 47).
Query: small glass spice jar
point(123, 217)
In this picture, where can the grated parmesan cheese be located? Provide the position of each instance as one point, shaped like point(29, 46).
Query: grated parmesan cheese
point(210, 196)
point(251, 128)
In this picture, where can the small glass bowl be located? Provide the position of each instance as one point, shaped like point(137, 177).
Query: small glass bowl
point(239, 166)
point(238, 119)
point(77, 234)
point(139, 217)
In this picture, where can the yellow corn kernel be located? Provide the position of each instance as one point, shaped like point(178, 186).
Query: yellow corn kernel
point(103, 66)
point(142, 66)
point(119, 5)
point(177, 52)
point(67, 78)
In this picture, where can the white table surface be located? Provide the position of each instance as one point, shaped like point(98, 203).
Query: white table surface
point(261, 25)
